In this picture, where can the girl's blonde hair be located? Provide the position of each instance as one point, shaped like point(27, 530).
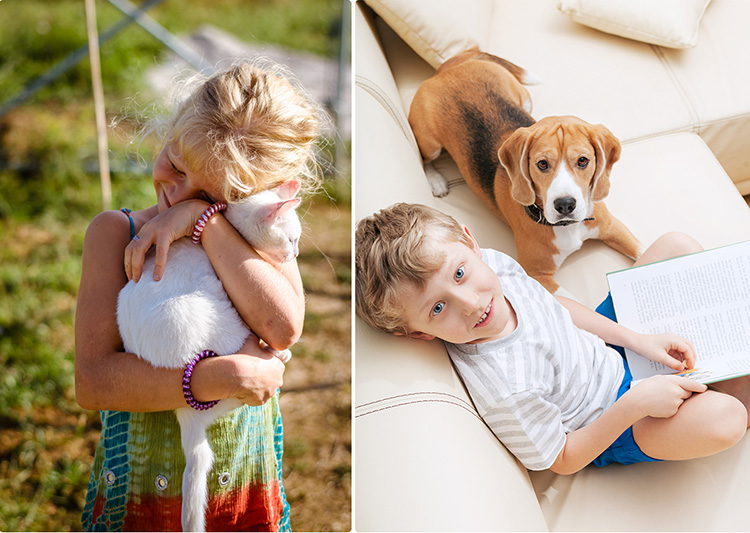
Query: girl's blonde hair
point(394, 248)
point(249, 128)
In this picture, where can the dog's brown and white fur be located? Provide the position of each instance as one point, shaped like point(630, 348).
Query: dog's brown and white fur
point(546, 179)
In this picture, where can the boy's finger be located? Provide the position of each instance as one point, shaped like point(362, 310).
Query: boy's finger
point(674, 364)
point(690, 355)
point(687, 350)
point(692, 386)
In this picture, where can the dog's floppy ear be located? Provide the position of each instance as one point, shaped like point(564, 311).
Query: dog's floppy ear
point(514, 156)
point(607, 149)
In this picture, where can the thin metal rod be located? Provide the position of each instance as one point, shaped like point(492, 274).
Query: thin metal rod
point(160, 33)
point(134, 14)
point(72, 59)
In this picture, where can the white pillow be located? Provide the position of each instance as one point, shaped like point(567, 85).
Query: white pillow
point(671, 23)
point(437, 29)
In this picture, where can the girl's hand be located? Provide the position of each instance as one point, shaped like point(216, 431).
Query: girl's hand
point(662, 396)
point(161, 231)
point(667, 348)
point(258, 376)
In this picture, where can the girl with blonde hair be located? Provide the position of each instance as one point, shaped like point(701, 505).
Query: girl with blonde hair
point(243, 130)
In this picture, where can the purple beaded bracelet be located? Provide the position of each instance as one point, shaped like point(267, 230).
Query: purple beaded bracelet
point(186, 385)
point(200, 225)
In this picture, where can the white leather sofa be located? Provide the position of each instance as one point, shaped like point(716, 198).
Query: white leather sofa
point(424, 460)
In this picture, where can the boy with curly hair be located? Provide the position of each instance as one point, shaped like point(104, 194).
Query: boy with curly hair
point(545, 372)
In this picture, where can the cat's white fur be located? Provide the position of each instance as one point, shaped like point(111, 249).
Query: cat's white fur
point(168, 322)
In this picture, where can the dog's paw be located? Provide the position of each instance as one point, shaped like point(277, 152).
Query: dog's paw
point(529, 78)
point(438, 183)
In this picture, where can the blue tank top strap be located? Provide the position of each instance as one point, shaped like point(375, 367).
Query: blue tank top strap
point(132, 224)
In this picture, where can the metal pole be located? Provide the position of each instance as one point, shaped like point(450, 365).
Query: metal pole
point(98, 90)
point(72, 59)
point(160, 33)
point(134, 14)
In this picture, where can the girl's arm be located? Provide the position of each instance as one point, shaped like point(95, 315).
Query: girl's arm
point(108, 378)
point(668, 349)
point(268, 297)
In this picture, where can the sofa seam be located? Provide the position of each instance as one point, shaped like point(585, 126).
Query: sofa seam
point(371, 407)
point(690, 128)
point(684, 96)
point(710, 153)
point(373, 90)
point(415, 402)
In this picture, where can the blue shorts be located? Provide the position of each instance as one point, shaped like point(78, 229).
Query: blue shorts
point(624, 450)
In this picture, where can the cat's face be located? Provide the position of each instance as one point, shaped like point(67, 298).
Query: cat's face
point(283, 238)
point(269, 223)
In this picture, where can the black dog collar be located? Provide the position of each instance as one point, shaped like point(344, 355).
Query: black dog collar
point(536, 214)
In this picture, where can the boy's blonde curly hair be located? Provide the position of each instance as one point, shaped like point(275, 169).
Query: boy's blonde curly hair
point(249, 128)
point(394, 248)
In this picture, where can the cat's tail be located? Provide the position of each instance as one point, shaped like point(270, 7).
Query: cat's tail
point(198, 461)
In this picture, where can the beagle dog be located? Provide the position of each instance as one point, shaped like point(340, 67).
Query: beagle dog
point(546, 179)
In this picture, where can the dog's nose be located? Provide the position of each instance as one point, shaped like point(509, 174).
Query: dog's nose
point(565, 206)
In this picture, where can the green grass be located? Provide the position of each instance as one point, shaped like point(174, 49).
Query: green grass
point(36, 34)
point(50, 192)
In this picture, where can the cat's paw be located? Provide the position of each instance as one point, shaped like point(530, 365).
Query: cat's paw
point(284, 355)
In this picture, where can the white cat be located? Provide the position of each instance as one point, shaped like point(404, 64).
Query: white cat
point(168, 322)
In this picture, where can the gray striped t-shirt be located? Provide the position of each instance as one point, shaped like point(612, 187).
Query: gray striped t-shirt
point(544, 380)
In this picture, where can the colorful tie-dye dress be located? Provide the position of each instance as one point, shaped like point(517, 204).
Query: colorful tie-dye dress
point(136, 479)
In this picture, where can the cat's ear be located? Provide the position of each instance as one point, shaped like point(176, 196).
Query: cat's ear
point(288, 189)
point(277, 209)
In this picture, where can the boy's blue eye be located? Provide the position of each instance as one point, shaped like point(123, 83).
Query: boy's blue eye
point(438, 308)
point(459, 273)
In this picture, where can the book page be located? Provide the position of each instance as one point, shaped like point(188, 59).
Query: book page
point(703, 297)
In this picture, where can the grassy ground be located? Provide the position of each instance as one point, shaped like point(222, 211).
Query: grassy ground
point(47, 441)
point(50, 192)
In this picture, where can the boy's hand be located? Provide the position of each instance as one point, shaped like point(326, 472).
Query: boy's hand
point(662, 396)
point(667, 348)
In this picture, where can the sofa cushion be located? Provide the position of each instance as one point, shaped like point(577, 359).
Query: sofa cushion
point(423, 460)
point(532, 34)
point(436, 30)
point(637, 90)
point(713, 84)
point(410, 405)
point(598, 77)
point(669, 183)
point(672, 23)
point(707, 494)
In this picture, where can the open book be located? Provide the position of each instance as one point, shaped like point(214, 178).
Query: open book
point(703, 297)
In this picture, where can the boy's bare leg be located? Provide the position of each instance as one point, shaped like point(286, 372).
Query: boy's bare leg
point(705, 424)
point(739, 388)
point(668, 246)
